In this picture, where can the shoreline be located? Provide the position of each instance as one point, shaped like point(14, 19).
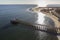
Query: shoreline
point(53, 17)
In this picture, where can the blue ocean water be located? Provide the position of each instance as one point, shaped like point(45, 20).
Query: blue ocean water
point(20, 32)
point(16, 32)
point(8, 12)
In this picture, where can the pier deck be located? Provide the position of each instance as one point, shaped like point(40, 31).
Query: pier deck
point(40, 27)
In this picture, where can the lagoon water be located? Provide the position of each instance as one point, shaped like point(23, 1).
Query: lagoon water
point(22, 32)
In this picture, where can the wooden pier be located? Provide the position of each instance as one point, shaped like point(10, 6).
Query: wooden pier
point(39, 27)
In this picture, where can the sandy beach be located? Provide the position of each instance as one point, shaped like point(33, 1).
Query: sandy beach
point(50, 15)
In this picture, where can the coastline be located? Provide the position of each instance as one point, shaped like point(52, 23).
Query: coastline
point(50, 15)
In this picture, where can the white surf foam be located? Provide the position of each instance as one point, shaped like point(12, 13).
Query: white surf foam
point(41, 18)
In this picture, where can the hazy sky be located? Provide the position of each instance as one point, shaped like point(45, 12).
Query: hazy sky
point(18, 1)
point(27, 1)
point(53, 1)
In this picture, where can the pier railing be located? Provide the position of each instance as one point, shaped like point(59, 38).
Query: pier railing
point(39, 27)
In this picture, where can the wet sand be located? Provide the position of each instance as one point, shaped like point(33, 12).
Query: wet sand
point(53, 17)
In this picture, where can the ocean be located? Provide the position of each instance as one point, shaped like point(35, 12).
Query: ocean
point(9, 31)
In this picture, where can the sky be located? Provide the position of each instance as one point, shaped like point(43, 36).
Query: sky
point(27, 1)
point(18, 1)
point(53, 1)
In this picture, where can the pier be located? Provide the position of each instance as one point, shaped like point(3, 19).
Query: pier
point(39, 27)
